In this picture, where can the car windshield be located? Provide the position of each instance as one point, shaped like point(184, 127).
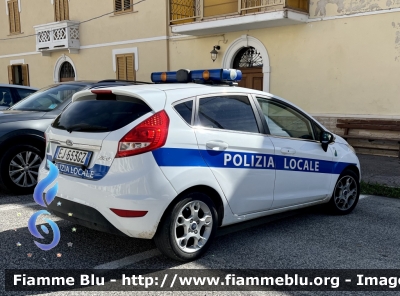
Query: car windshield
point(48, 98)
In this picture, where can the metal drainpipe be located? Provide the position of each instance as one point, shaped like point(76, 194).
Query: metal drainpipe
point(167, 32)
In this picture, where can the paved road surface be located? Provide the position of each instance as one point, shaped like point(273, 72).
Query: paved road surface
point(308, 238)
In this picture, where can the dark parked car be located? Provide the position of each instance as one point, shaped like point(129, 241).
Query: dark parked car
point(22, 142)
point(11, 94)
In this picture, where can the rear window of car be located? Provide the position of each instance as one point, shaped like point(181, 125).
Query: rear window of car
point(101, 115)
point(23, 92)
point(48, 98)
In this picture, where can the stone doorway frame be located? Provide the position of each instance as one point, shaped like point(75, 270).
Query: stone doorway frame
point(246, 41)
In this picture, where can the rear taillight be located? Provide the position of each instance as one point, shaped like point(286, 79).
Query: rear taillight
point(147, 136)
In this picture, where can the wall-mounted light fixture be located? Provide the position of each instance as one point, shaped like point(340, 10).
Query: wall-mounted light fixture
point(214, 52)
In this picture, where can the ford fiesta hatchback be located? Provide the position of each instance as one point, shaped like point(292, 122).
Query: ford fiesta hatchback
point(175, 161)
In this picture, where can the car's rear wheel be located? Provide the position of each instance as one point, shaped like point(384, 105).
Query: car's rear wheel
point(346, 194)
point(187, 231)
point(19, 168)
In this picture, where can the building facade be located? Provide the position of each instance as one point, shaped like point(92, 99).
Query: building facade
point(43, 41)
point(334, 58)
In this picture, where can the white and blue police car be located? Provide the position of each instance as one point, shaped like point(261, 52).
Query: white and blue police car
point(173, 161)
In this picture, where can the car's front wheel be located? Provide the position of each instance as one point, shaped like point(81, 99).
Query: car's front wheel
point(187, 231)
point(19, 168)
point(346, 194)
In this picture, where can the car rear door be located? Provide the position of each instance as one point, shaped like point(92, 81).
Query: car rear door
point(230, 139)
point(303, 168)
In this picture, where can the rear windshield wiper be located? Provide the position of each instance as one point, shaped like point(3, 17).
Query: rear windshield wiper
point(86, 127)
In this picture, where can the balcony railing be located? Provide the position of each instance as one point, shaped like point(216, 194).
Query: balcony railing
point(185, 11)
point(57, 36)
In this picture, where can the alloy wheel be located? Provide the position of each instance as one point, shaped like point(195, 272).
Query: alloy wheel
point(193, 226)
point(346, 191)
point(24, 167)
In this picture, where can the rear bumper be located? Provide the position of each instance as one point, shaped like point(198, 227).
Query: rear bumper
point(128, 185)
point(82, 215)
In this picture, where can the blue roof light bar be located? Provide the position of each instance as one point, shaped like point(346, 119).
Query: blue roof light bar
point(212, 76)
point(216, 75)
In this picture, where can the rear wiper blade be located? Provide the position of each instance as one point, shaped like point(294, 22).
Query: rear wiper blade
point(86, 127)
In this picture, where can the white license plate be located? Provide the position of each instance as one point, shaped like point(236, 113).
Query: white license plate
point(73, 156)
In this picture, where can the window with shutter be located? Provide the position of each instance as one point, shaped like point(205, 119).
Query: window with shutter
point(61, 10)
point(18, 74)
point(25, 74)
point(121, 6)
point(13, 17)
point(121, 68)
point(10, 75)
point(130, 70)
point(126, 67)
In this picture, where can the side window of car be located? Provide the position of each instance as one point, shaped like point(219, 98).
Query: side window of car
point(318, 132)
point(185, 110)
point(6, 99)
point(284, 121)
point(231, 112)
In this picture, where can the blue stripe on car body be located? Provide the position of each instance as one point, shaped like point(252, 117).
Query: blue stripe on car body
point(231, 159)
point(96, 173)
point(176, 157)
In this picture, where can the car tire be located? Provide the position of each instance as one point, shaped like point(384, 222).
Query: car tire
point(187, 230)
point(345, 194)
point(15, 175)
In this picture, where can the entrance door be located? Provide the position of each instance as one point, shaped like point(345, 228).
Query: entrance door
point(252, 78)
point(67, 72)
point(250, 62)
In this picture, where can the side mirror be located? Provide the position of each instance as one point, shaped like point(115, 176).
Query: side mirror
point(326, 138)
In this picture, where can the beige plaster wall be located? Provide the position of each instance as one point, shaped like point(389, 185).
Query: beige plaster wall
point(341, 66)
point(91, 64)
point(144, 22)
point(328, 8)
point(144, 28)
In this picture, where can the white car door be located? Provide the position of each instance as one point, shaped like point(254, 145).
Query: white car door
point(303, 168)
point(238, 154)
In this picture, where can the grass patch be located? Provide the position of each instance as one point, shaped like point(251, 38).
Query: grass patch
point(379, 189)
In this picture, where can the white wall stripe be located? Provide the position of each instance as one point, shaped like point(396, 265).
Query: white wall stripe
point(159, 38)
point(125, 42)
point(18, 54)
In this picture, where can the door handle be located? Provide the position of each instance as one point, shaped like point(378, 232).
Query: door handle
point(217, 145)
point(288, 151)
